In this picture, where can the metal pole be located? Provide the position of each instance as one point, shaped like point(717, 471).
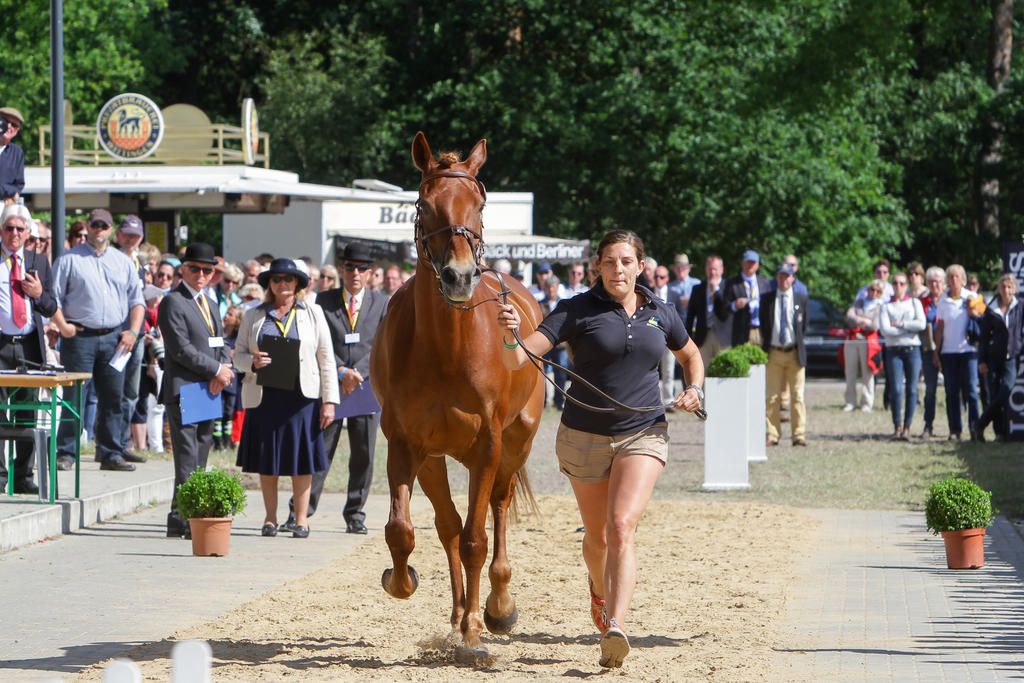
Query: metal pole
point(57, 127)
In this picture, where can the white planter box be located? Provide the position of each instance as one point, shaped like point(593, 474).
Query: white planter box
point(757, 415)
point(726, 435)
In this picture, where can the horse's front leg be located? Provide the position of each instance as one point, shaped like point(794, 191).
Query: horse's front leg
point(433, 478)
point(473, 542)
point(403, 462)
point(500, 613)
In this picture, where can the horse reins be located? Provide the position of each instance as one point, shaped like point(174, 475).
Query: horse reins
point(502, 297)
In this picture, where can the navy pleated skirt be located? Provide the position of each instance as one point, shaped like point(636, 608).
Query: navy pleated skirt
point(281, 436)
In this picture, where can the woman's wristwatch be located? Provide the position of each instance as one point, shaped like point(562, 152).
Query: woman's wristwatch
point(700, 392)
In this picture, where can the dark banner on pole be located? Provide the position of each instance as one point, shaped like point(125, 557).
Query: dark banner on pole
point(1013, 262)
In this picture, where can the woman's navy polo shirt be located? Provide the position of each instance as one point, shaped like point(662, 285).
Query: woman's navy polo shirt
point(619, 355)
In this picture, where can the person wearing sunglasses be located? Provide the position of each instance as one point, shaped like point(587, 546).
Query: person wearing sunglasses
point(901, 322)
point(12, 157)
point(100, 314)
point(354, 313)
point(77, 234)
point(227, 289)
point(40, 240)
point(282, 432)
point(25, 297)
point(194, 351)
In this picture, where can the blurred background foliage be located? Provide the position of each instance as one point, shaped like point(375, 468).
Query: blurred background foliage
point(842, 131)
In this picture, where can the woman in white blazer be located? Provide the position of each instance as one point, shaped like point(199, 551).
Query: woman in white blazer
point(282, 432)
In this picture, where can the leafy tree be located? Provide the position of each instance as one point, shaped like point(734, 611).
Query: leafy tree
point(110, 46)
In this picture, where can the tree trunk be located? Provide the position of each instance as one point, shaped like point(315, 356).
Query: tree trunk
point(1000, 51)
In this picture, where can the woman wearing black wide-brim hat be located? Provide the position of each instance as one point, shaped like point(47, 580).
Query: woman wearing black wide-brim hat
point(282, 432)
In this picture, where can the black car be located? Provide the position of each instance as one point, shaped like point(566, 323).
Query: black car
point(826, 331)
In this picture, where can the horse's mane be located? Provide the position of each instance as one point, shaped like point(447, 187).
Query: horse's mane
point(447, 159)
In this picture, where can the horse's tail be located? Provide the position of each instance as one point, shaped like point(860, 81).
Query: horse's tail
point(523, 501)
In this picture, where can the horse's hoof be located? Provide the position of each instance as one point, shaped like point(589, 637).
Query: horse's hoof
point(385, 582)
point(501, 625)
point(473, 656)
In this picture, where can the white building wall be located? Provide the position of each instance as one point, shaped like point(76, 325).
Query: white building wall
point(299, 231)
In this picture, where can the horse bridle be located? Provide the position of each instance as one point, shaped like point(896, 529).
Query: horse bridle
point(456, 230)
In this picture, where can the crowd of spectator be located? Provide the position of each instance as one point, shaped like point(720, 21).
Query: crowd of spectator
point(935, 325)
point(109, 308)
point(908, 327)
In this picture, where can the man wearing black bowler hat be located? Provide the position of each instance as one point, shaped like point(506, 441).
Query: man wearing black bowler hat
point(25, 297)
point(194, 352)
point(353, 314)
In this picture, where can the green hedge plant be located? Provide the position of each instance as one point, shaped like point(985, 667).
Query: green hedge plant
point(211, 494)
point(755, 355)
point(956, 503)
point(729, 363)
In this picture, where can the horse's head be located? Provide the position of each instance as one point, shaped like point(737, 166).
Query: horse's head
point(449, 221)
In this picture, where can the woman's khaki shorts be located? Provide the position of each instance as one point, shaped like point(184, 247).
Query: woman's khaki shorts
point(587, 457)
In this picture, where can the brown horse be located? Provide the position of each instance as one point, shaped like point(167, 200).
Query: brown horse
point(436, 370)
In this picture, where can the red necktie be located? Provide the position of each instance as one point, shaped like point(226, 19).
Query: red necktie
point(352, 312)
point(17, 297)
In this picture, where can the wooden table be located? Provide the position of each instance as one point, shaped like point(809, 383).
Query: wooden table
point(51, 380)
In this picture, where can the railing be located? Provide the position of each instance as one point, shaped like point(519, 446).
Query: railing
point(216, 144)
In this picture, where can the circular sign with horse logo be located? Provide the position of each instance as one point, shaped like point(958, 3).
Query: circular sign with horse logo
point(130, 126)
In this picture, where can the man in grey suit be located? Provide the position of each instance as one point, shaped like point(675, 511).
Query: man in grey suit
point(353, 314)
point(194, 352)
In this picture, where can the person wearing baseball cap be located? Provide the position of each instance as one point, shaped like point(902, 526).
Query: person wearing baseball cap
point(100, 313)
point(741, 295)
point(128, 238)
point(12, 157)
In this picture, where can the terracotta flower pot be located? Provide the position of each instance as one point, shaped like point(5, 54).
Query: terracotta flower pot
point(965, 549)
point(210, 535)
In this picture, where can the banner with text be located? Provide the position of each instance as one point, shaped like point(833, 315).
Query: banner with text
point(1013, 262)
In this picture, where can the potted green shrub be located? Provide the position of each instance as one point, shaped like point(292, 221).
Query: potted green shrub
point(960, 510)
point(208, 500)
point(726, 432)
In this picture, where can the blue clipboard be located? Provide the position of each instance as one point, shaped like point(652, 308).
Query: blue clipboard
point(198, 404)
point(360, 402)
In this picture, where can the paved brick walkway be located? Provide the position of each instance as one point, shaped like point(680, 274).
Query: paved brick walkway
point(876, 603)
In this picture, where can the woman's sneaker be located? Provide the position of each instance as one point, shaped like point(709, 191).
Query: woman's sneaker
point(597, 611)
point(614, 646)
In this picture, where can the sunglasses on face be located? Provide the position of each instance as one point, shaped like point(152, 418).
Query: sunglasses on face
point(282, 278)
point(79, 236)
point(164, 276)
point(361, 267)
point(327, 277)
point(15, 228)
point(99, 225)
point(205, 270)
point(899, 283)
point(661, 277)
point(11, 123)
point(229, 282)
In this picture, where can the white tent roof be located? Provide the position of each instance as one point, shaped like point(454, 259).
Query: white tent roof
point(184, 179)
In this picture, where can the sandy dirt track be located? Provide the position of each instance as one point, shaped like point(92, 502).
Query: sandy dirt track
point(713, 578)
